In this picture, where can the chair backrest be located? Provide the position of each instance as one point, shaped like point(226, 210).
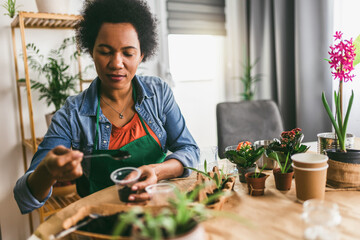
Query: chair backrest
point(247, 121)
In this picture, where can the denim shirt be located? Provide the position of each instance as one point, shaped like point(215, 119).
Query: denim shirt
point(74, 126)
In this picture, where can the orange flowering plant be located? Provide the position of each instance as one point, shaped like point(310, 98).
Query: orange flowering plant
point(245, 154)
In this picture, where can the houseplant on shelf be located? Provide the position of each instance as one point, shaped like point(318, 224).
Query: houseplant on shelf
point(10, 6)
point(60, 83)
point(256, 182)
point(244, 155)
point(344, 164)
point(281, 151)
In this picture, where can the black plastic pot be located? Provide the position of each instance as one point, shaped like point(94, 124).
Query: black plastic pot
point(350, 156)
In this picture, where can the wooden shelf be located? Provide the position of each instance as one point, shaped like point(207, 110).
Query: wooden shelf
point(29, 144)
point(26, 20)
point(46, 20)
point(86, 80)
point(55, 204)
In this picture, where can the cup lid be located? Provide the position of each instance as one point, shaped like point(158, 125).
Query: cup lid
point(310, 158)
point(119, 175)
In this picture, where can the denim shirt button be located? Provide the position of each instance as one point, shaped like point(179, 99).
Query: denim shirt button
point(138, 109)
point(150, 121)
point(104, 141)
point(107, 126)
point(160, 135)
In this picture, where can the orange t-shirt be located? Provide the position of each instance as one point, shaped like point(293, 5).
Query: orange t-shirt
point(132, 130)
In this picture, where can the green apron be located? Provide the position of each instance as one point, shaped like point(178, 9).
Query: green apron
point(143, 151)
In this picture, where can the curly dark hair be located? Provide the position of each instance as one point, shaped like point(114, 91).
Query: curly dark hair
point(135, 12)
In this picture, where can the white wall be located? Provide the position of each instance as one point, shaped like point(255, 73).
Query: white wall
point(346, 20)
point(13, 224)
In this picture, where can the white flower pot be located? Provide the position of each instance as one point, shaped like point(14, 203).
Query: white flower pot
point(53, 6)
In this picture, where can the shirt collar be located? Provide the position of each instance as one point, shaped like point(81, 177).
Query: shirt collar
point(89, 104)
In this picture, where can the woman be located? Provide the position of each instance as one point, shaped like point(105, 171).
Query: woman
point(119, 110)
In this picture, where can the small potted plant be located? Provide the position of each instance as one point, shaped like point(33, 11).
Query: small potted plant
point(343, 59)
point(60, 82)
point(244, 155)
point(281, 151)
point(256, 182)
point(11, 7)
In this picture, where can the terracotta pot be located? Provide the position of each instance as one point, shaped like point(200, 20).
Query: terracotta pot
point(256, 186)
point(242, 172)
point(283, 180)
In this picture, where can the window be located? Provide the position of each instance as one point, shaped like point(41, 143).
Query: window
point(197, 67)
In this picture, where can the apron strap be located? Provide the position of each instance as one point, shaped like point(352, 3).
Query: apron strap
point(97, 121)
point(141, 119)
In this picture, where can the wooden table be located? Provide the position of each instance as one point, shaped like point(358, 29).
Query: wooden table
point(276, 215)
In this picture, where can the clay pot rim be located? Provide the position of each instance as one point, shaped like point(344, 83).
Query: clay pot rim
point(310, 169)
point(278, 171)
point(262, 175)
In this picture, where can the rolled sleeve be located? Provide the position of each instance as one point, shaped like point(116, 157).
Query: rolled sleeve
point(24, 198)
point(187, 157)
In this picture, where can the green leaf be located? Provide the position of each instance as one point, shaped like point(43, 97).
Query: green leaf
point(347, 117)
point(357, 51)
point(327, 108)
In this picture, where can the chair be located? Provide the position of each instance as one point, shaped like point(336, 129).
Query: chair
point(247, 121)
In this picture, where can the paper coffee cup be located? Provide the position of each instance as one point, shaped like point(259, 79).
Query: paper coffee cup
point(309, 160)
point(310, 182)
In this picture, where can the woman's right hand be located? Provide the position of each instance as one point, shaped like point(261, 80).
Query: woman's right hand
point(60, 164)
point(63, 164)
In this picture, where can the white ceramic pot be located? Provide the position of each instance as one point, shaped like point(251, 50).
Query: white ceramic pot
point(53, 6)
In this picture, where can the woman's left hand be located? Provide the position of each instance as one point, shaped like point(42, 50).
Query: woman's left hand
point(148, 177)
